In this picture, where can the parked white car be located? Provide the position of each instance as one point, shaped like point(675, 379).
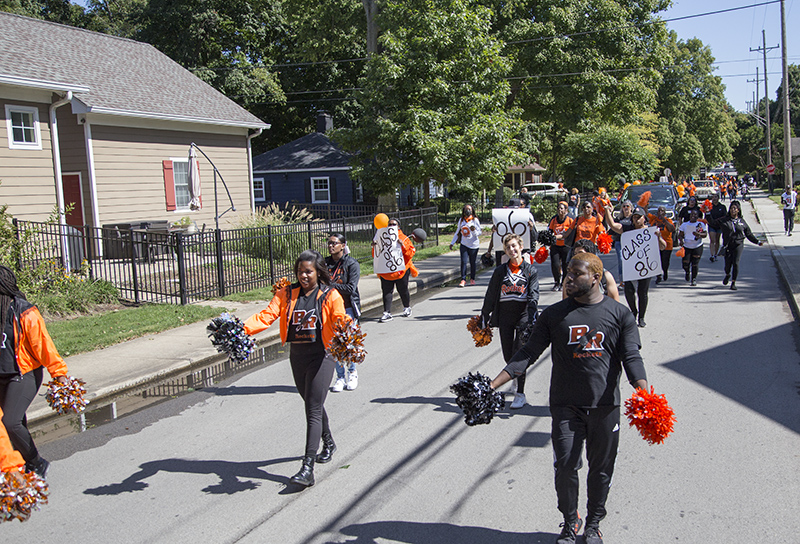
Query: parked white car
point(705, 188)
point(545, 191)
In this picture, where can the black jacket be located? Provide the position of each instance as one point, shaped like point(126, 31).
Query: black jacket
point(734, 231)
point(491, 302)
point(350, 274)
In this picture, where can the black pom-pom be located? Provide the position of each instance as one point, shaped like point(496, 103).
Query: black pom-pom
point(228, 336)
point(477, 399)
point(546, 237)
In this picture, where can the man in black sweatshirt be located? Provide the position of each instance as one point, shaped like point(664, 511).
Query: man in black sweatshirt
point(593, 338)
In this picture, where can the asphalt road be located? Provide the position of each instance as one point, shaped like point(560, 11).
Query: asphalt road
point(214, 466)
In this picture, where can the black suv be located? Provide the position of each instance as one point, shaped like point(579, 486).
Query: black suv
point(661, 194)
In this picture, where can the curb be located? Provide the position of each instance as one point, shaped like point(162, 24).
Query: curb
point(104, 397)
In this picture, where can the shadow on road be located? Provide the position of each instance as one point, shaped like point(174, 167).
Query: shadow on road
point(235, 390)
point(229, 474)
point(437, 533)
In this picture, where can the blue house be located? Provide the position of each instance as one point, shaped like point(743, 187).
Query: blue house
point(309, 170)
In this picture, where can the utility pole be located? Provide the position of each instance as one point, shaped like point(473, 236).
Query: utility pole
point(754, 110)
point(764, 50)
point(787, 140)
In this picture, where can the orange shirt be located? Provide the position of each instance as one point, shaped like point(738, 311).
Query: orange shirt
point(666, 235)
point(588, 229)
point(561, 228)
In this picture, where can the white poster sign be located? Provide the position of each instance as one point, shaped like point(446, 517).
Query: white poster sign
point(508, 220)
point(388, 251)
point(641, 257)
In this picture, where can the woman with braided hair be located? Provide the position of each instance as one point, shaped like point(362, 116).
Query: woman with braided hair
point(25, 348)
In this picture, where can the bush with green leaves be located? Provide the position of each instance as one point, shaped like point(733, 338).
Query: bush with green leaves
point(286, 241)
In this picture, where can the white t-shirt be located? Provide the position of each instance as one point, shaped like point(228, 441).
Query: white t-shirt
point(691, 241)
point(469, 237)
point(789, 200)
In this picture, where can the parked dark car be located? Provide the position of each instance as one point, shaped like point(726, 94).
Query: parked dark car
point(661, 194)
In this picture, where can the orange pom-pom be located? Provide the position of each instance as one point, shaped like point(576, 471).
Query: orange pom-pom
point(706, 207)
point(644, 200)
point(650, 414)
point(680, 253)
point(347, 344)
point(541, 255)
point(482, 336)
point(280, 284)
point(604, 242)
point(20, 494)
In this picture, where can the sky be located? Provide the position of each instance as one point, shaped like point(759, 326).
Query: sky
point(732, 35)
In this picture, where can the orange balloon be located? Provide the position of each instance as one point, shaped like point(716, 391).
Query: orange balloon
point(381, 221)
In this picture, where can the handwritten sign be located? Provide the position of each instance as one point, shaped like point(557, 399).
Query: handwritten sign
point(640, 254)
point(510, 220)
point(388, 251)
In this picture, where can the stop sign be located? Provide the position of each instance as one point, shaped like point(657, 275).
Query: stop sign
point(771, 168)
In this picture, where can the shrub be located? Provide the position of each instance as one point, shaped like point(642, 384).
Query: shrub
point(288, 239)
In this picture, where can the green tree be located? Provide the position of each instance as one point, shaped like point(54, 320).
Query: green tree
point(699, 126)
point(56, 11)
point(578, 61)
point(433, 101)
point(607, 156)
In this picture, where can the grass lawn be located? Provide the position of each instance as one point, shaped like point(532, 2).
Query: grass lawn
point(91, 332)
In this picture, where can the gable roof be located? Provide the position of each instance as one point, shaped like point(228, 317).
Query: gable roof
point(313, 151)
point(110, 75)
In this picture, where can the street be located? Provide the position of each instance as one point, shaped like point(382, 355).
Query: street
point(214, 466)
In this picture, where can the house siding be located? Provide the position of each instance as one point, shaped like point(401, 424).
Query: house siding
point(291, 186)
point(73, 154)
point(27, 183)
point(130, 179)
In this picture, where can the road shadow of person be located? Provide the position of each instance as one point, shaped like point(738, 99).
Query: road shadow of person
point(233, 477)
point(437, 533)
point(443, 404)
point(236, 390)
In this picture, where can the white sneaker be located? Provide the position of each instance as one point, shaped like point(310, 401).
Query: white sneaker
point(352, 381)
point(406, 312)
point(338, 385)
point(385, 317)
point(518, 402)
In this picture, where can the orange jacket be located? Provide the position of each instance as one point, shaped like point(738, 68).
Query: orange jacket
point(408, 253)
point(588, 229)
point(10, 459)
point(282, 305)
point(34, 347)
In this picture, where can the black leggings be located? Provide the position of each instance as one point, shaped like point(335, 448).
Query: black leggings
point(666, 255)
point(788, 220)
point(313, 369)
point(733, 254)
point(16, 395)
point(510, 325)
point(387, 286)
point(468, 255)
point(640, 287)
point(691, 260)
point(558, 261)
point(599, 428)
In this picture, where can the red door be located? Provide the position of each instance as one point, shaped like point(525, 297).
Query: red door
point(71, 184)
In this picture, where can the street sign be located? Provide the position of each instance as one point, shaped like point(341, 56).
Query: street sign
point(771, 168)
point(787, 165)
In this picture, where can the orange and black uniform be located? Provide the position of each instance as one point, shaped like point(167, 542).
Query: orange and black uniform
point(400, 278)
point(588, 229)
point(560, 250)
point(306, 322)
point(25, 348)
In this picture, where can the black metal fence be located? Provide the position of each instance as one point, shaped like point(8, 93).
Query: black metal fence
point(158, 265)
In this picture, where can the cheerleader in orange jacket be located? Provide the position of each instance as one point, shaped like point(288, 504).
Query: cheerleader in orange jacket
point(25, 348)
point(398, 279)
point(307, 311)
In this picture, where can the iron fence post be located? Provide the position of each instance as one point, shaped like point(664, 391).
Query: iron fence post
point(220, 268)
point(271, 260)
point(179, 255)
point(17, 250)
point(134, 273)
point(309, 235)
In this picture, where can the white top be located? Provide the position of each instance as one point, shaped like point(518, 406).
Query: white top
point(789, 199)
point(470, 231)
point(691, 241)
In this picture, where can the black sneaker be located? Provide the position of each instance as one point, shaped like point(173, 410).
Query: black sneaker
point(688, 277)
point(642, 324)
point(569, 531)
point(726, 279)
point(592, 535)
point(733, 286)
point(39, 466)
point(694, 282)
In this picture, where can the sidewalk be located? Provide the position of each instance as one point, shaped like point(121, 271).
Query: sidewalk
point(134, 365)
point(785, 249)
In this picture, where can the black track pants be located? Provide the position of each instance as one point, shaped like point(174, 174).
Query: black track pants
point(387, 287)
point(733, 254)
point(313, 370)
point(513, 319)
point(637, 289)
point(16, 395)
point(666, 254)
point(558, 262)
point(599, 428)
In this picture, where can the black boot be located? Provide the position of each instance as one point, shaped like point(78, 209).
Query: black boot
point(328, 447)
point(306, 475)
point(38, 466)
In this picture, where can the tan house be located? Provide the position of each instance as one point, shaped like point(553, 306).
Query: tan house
point(104, 124)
